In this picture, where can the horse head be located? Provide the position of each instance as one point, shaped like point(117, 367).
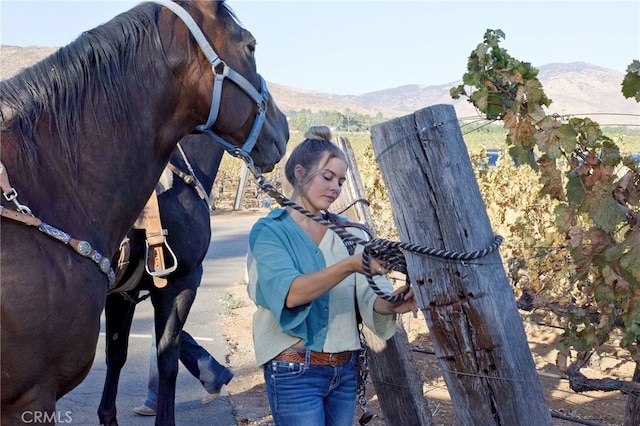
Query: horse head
point(226, 73)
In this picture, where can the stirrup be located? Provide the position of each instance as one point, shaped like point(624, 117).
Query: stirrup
point(161, 272)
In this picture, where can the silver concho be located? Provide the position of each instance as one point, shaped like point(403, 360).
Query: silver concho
point(105, 265)
point(84, 248)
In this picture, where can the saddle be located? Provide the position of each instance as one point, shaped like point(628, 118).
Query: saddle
point(154, 262)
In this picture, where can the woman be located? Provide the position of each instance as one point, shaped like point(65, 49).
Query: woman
point(307, 289)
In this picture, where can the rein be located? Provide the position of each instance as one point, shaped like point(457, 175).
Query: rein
point(390, 251)
point(260, 98)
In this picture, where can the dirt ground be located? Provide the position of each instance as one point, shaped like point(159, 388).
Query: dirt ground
point(248, 396)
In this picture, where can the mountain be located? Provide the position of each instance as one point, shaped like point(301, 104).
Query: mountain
point(14, 58)
point(577, 88)
point(296, 99)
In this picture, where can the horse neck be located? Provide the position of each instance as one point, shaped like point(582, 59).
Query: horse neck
point(125, 168)
point(111, 198)
point(121, 139)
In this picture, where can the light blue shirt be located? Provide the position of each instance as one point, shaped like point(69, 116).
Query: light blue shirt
point(279, 251)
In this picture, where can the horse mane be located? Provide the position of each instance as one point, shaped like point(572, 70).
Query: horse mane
point(96, 63)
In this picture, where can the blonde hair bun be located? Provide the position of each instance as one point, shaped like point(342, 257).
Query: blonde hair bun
point(318, 133)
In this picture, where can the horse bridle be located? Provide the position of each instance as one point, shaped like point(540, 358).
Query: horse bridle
point(260, 98)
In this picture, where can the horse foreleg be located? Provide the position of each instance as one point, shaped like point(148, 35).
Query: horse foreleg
point(118, 316)
point(168, 355)
point(172, 307)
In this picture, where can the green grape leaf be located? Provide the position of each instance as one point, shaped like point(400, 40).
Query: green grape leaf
point(480, 99)
point(605, 212)
point(568, 137)
point(495, 106)
point(564, 217)
point(630, 261)
point(591, 132)
point(456, 92)
point(610, 154)
point(535, 93)
point(548, 142)
point(575, 189)
point(631, 81)
point(523, 155)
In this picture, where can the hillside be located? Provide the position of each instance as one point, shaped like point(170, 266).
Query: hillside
point(291, 98)
point(577, 88)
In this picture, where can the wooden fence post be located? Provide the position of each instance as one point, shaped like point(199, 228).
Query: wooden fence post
point(242, 187)
point(469, 306)
point(397, 382)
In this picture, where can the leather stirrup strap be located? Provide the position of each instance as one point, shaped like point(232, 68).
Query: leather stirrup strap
point(149, 220)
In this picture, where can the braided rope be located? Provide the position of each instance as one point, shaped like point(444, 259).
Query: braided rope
point(390, 251)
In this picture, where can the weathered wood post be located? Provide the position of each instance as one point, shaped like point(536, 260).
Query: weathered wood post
point(242, 187)
point(468, 306)
point(397, 382)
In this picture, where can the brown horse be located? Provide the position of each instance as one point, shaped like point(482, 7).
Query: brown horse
point(86, 134)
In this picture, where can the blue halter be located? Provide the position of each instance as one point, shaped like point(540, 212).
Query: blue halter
point(260, 98)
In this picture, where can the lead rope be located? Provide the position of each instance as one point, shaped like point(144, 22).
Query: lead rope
point(390, 251)
point(362, 369)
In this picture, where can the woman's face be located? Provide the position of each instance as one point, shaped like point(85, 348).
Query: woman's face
point(325, 186)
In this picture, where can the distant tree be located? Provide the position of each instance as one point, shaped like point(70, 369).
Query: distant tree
point(346, 121)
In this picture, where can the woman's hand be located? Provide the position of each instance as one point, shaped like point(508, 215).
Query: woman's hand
point(406, 304)
point(376, 266)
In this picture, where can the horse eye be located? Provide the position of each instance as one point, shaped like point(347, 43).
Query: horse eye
point(251, 48)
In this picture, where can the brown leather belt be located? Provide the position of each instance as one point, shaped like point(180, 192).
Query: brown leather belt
point(316, 358)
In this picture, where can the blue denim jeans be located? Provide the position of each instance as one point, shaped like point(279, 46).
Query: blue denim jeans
point(200, 363)
point(311, 395)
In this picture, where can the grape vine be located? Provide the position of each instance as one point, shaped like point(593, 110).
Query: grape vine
point(592, 188)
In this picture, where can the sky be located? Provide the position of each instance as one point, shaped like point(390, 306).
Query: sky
point(351, 47)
